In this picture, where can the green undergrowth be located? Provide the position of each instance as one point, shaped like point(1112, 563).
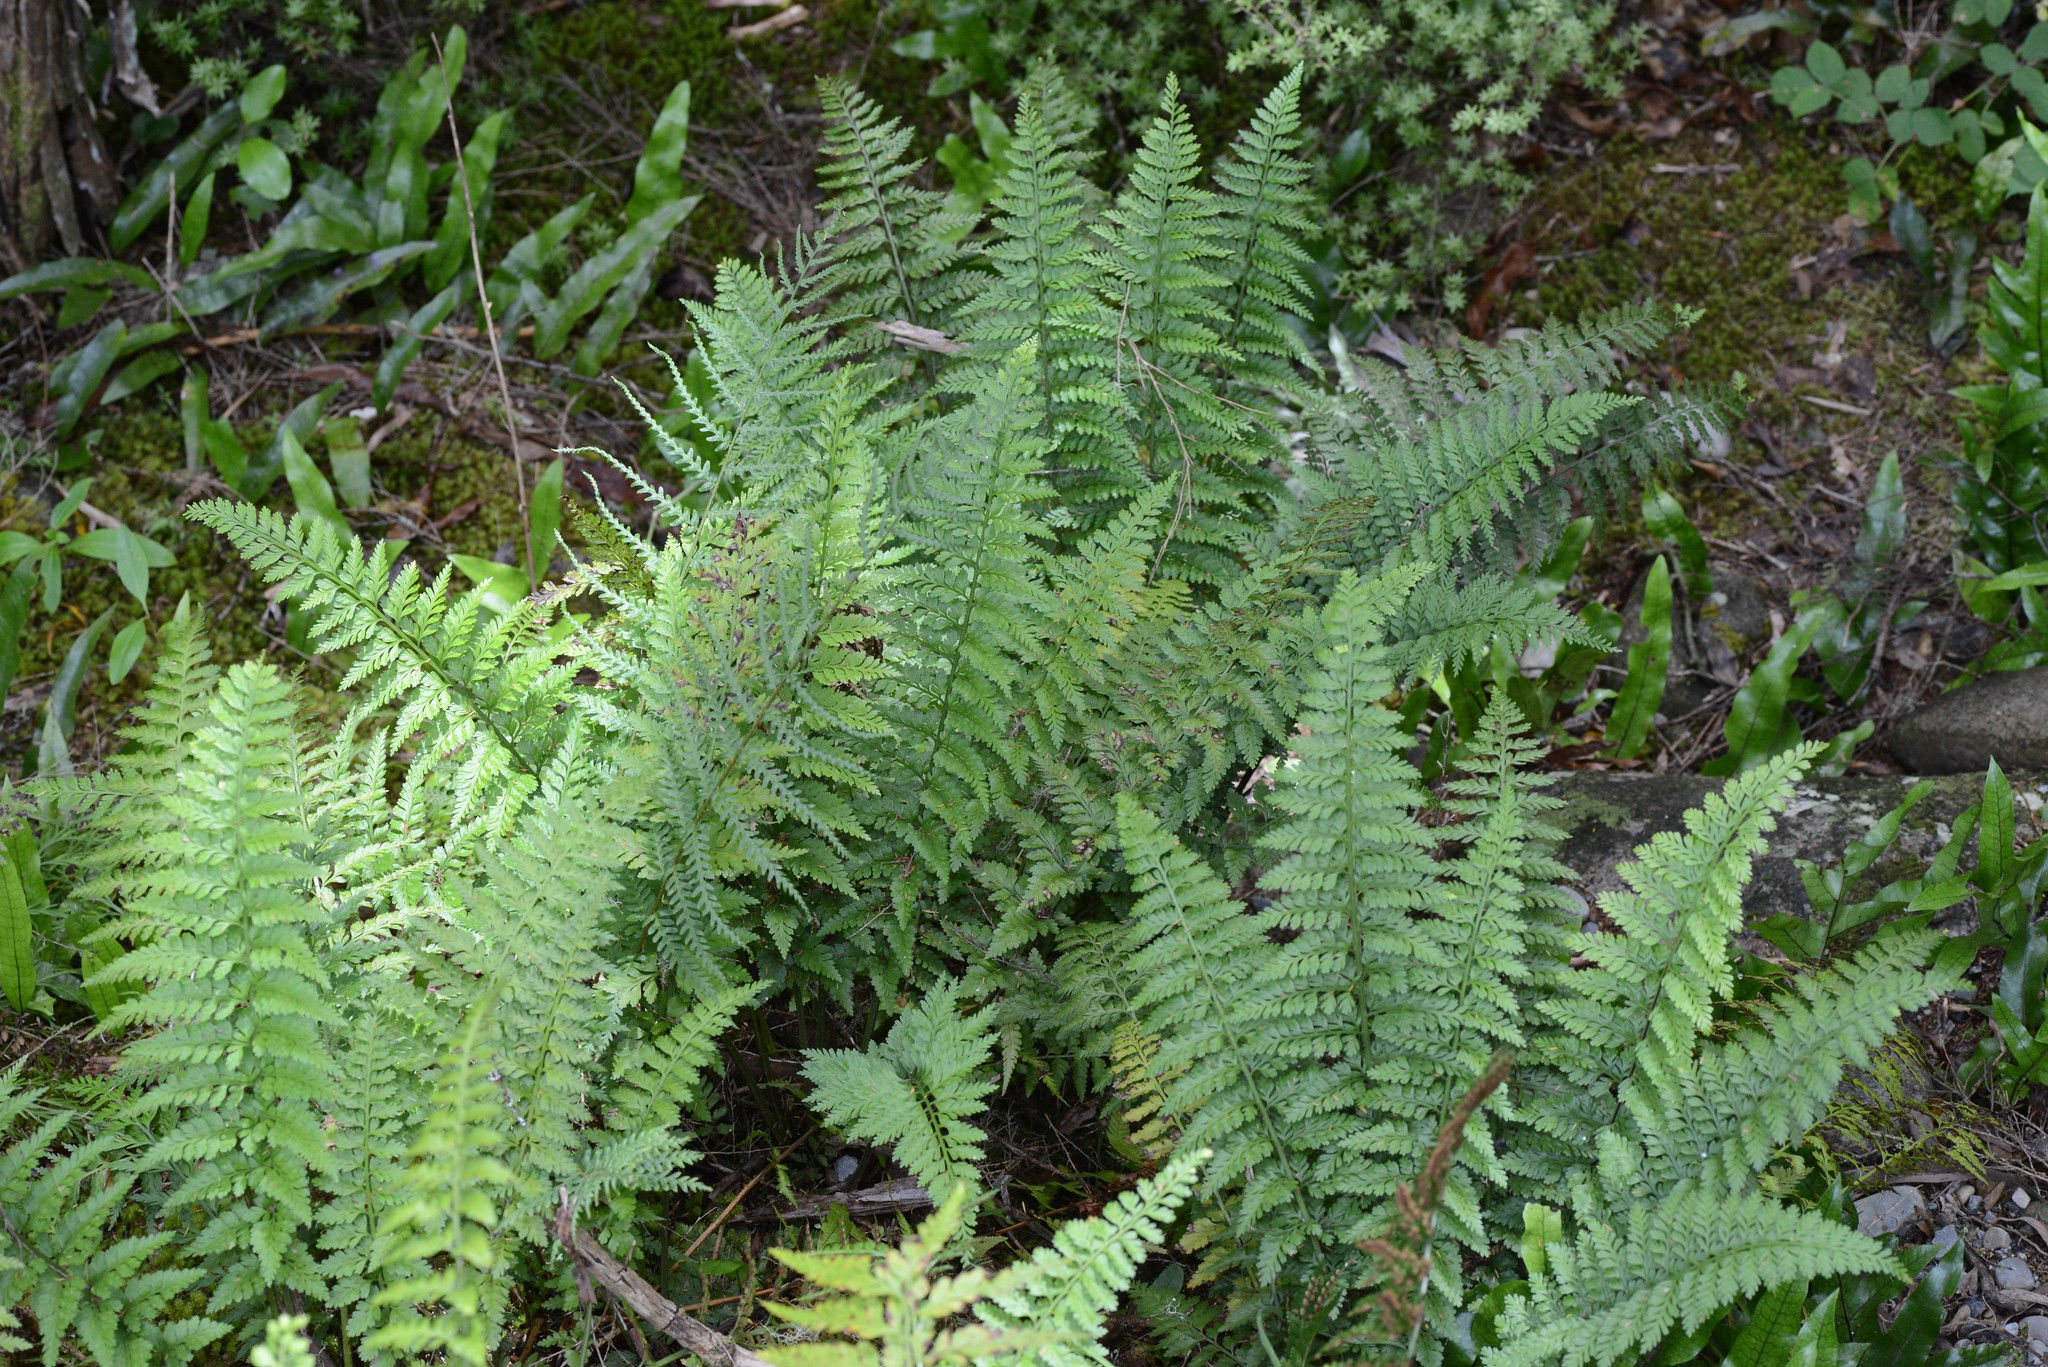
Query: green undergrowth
point(138, 477)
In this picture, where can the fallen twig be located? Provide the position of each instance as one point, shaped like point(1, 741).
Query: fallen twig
point(629, 1288)
point(917, 338)
point(903, 1193)
point(781, 19)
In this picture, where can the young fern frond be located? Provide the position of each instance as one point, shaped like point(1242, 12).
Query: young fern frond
point(916, 1090)
point(474, 690)
point(235, 982)
point(1267, 215)
point(1041, 293)
point(895, 251)
point(1615, 1291)
point(445, 1293)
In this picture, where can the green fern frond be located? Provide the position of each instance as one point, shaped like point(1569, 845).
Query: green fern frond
point(916, 1090)
point(236, 985)
point(1612, 1292)
point(1718, 1123)
point(1267, 215)
point(895, 251)
point(438, 1250)
point(479, 691)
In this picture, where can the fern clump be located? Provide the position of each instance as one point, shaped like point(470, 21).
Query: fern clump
point(932, 721)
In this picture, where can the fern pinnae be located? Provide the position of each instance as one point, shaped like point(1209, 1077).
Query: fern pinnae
point(1266, 213)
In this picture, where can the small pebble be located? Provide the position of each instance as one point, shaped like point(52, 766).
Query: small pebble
point(2037, 1328)
point(1994, 1240)
point(2020, 1199)
point(2013, 1274)
point(1974, 1203)
point(1943, 1238)
point(1591, 927)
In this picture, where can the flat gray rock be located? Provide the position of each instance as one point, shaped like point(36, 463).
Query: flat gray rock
point(1606, 815)
point(2013, 1274)
point(1887, 1212)
point(2000, 716)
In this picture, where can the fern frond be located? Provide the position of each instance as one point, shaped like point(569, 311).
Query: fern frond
point(1611, 1292)
point(236, 988)
point(1267, 209)
point(1041, 293)
point(1718, 1123)
point(439, 1253)
point(895, 251)
point(915, 1090)
point(478, 691)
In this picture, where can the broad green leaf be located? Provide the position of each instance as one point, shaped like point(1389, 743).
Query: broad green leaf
point(586, 288)
point(1774, 1323)
point(86, 370)
point(1649, 665)
point(1825, 63)
point(503, 585)
point(265, 168)
point(260, 95)
point(349, 458)
point(126, 649)
point(180, 169)
point(17, 940)
point(1915, 239)
point(1542, 1226)
point(198, 218)
point(658, 177)
point(310, 489)
point(544, 520)
point(140, 373)
point(74, 272)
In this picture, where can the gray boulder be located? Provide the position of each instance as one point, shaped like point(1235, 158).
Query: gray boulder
point(1606, 815)
point(2001, 716)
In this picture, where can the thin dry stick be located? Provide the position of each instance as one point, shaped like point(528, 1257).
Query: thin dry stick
point(476, 259)
point(733, 1204)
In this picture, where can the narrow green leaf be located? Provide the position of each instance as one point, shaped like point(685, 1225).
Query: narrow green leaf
point(60, 712)
point(81, 305)
point(450, 256)
point(140, 373)
point(126, 649)
point(300, 422)
point(349, 458)
point(1995, 863)
point(87, 369)
point(152, 195)
point(544, 521)
point(198, 218)
point(658, 177)
point(224, 449)
point(310, 489)
point(594, 279)
point(17, 940)
point(74, 272)
point(195, 406)
point(15, 599)
point(1649, 665)
point(1774, 1322)
point(1665, 519)
point(406, 346)
point(314, 301)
